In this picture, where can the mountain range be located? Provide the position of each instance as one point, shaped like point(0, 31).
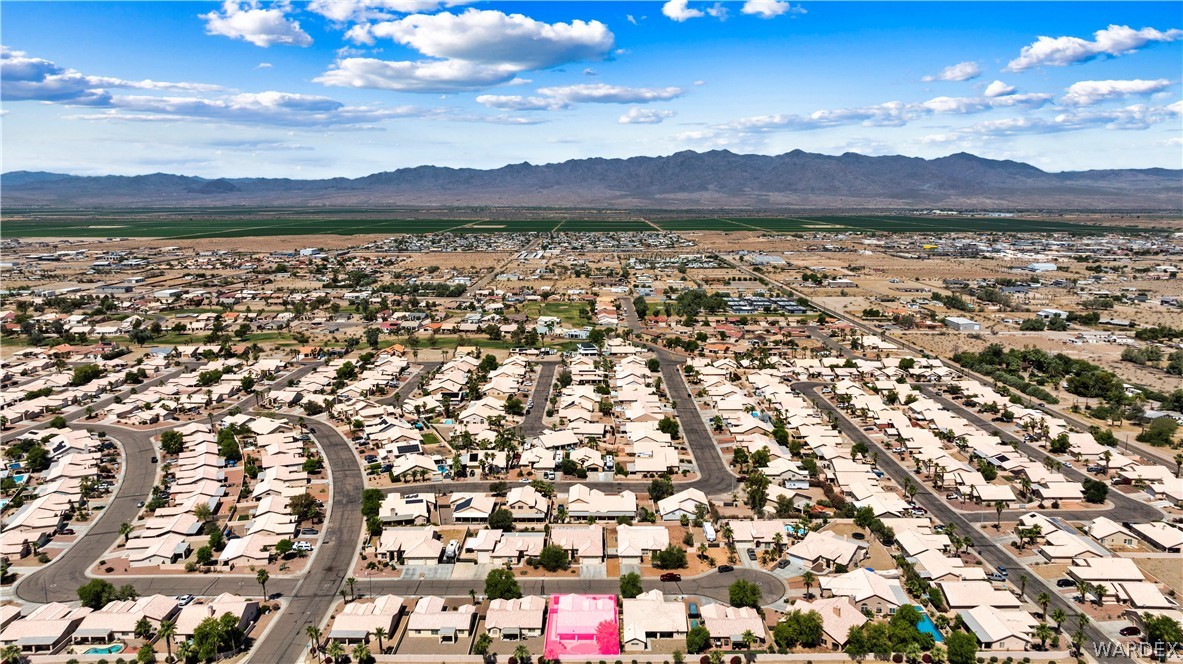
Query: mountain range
point(684, 180)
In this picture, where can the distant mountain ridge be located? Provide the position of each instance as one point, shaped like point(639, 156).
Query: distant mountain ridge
point(689, 180)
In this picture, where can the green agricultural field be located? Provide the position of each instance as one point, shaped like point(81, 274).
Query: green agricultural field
point(229, 223)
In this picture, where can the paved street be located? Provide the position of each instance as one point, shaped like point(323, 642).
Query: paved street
point(938, 509)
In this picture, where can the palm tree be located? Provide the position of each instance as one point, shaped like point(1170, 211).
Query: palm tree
point(125, 530)
point(167, 629)
point(748, 639)
point(808, 579)
point(335, 650)
point(380, 633)
point(716, 657)
point(203, 513)
point(184, 650)
point(1043, 600)
point(998, 507)
point(313, 633)
point(261, 578)
point(1023, 585)
point(1043, 632)
point(1059, 617)
point(521, 654)
point(1082, 619)
point(352, 582)
point(361, 653)
point(11, 654)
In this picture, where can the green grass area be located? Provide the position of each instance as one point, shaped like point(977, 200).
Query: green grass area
point(230, 223)
point(568, 312)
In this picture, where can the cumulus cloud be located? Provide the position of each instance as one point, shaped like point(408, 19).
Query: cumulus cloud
point(979, 104)
point(718, 11)
point(770, 8)
point(1086, 93)
point(565, 97)
point(25, 78)
point(999, 89)
point(645, 116)
point(679, 10)
point(261, 27)
point(472, 50)
point(360, 10)
point(1136, 117)
point(1112, 41)
point(962, 71)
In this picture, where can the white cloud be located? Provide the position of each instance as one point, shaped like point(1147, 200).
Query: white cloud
point(632, 19)
point(1113, 41)
point(565, 97)
point(261, 27)
point(718, 11)
point(1136, 117)
point(1086, 93)
point(962, 71)
point(678, 10)
point(263, 65)
point(602, 93)
point(770, 8)
point(418, 76)
point(979, 104)
point(521, 103)
point(25, 78)
point(645, 116)
point(999, 89)
point(359, 10)
point(473, 50)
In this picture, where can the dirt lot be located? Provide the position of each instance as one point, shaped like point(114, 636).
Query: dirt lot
point(1166, 569)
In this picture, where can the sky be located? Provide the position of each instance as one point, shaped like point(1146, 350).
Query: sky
point(345, 88)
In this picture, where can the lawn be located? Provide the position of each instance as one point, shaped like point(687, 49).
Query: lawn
point(568, 312)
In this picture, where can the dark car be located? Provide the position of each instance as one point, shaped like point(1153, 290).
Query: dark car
point(751, 554)
point(1065, 583)
point(1130, 631)
point(154, 460)
point(726, 568)
point(784, 562)
point(66, 531)
point(670, 576)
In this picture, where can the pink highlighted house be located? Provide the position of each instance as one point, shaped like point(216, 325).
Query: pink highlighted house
point(582, 626)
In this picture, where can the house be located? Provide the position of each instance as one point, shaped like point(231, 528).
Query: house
point(409, 508)
point(684, 503)
point(649, 616)
point(728, 624)
point(586, 503)
point(515, 619)
point(968, 594)
point(1111, 534)
point(756, 534)
point(571, 625)
point(839, 615)
point(191, 616)
point(411, 546)
point(1000, 630)
point(358, 620)
point(527, 504)
point(472, 507)
point(44, 630)
point(1162, 536)
point(583, 543)
point(633, 542)
point(867, 590)
point(823, 551)
point(117, 620)
point(432, 618)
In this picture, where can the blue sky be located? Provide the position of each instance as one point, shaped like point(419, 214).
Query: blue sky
point(350, 87)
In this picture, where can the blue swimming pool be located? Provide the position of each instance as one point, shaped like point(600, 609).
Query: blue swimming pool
point(107, 650)
point(20, 479)
point(926, 625)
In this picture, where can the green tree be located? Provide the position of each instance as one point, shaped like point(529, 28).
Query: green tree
point(501, 519)
point(630, 585)
point(96, 594)
point(553, 558)
point(744, 593)
point(698, 639)
point(1095, 491)
point(660, 489)
point(501, 584)
point(671, 557)
point(962, 648)
point(172, 442)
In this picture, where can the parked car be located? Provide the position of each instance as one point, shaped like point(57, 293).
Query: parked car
point(66, 531)
point(994, 576)
point(783, 563)
point(726, 568)
point(1002, 571)
point(155, 460)
point(1130, 631)
point(184, 600)
point(140, 504)
point(302, 546)
point(751, 554)
point(952, 496)
point(309, 532)
point(670, 576)
point(1065, 583)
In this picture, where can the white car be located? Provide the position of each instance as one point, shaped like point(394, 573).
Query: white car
point(302, 546)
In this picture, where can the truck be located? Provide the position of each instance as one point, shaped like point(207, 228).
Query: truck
point(451, 551)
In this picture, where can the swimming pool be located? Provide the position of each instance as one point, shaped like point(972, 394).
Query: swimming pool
point(108, 650)
point(926, 625)
point(20, 479)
